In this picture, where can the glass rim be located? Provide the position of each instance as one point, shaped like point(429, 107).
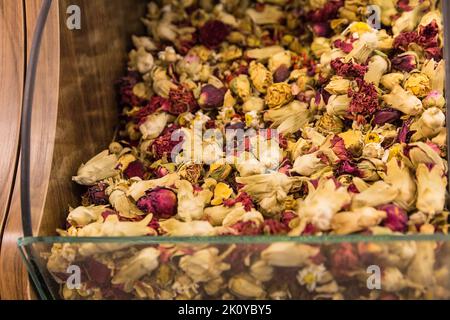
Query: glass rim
point(326, 239)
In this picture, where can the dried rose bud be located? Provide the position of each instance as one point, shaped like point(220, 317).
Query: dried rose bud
point(135, 169)
point(353, 141)
point(278, 95)
point(241, 87)
point(434, 99)
point(329, 124)
point(431, 189)
point(211, 97)
point(97, 194)
point(418, 84)
point(281, 74)
point(347, 167)
point(397, 219)
point(260, 76)
point(320, 45)
point(384, 116)
point(321, 29)
point(161, 172)
point(405, 62)
point(403, 101)
point(213, 33)
point(161, 202)
point(369, 170)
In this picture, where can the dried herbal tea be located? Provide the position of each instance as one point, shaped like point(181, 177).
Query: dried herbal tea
point(271, 117)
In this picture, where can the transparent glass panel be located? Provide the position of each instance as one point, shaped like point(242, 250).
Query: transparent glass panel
point(356, 267)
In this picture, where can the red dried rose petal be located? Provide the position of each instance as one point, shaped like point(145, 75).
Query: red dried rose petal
point(135, 169)
point(164, 144)
point(403, 40)
point(397, 219)
point(287, 216)
point(405, 133)
point(242, 198)
point(247, 228)
point(365, 100)
point(155, 103)
point(309, 230)
point(428, 35)
point(344, 259)
point(338, 147)
point(96, 194)
point(274, 227)
point(213, 33)
point(347, 47)
point(327, 12)
point(125, 87)
point(97, 272)
point(405, 63)
point(386, 115)
point(181, 100)
point(348, 69)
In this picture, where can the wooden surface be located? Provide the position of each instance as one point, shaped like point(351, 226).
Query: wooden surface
point(12, 51)
point(92, 59)
point(14, 279)
point(74, 114)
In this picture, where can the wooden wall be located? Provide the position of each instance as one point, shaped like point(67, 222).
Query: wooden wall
point(12, 57)
point(74, 112)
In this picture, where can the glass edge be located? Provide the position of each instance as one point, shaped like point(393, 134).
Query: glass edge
point(32, 273)
point(235, 239)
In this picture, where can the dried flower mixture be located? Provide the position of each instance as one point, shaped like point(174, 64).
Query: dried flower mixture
point(294, 117)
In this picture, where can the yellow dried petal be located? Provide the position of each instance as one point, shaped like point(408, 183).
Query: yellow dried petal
point(352, 139)
point(418, 84)
point(260, 76)
point(395, 151)
point(221, 192)
point(278, 95)
point(125, 160)
point(141, 90)
point(372, 137)
point(360, 28)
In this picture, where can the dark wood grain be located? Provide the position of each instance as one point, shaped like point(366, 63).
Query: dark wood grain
point(92, 59)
